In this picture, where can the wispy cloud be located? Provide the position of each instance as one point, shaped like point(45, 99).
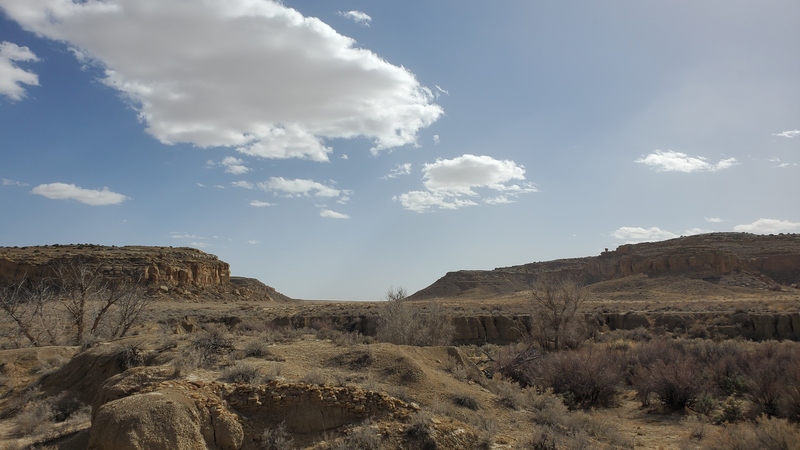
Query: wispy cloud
point(11, 76)
point(788, 134)
point(671, 161)
point(327, 213)
point(182, 235)
point(638, 234)
point(299, 187)
point(260, 204)
point(398, 170)
point(358, 17)
point(64, 191)
point(712, 219)
point(210, 89)
point(448, 181)
point(253, 242)
point(768, 226)
point(7, 182)
point(243, 184)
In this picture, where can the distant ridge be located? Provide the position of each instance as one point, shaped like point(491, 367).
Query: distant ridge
point(736, 259)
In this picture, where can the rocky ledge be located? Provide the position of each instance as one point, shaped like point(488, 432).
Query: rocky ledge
point(727, 258)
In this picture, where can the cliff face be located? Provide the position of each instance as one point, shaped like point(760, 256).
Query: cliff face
point(160, 266)
point(768, 260)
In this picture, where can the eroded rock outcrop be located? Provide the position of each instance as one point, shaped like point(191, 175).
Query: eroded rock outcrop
point(758, 260)
point(142, 409)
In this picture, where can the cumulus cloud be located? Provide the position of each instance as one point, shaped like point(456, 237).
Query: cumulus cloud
point(788, 134)
point(260, 204)
point(638, 234)
point(243, 184)
point(768, 226)
point(327, 213)
point(234, 165)
point(63, 191)
point(400, 169)
point(358, 17)
point(671, 161)
point(11, 76)
point(302, 188)
point(257, 76)
point(447, 181)
point(7, 182)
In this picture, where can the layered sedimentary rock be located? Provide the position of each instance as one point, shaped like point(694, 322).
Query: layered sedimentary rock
point(167, 266)
point(769, 260)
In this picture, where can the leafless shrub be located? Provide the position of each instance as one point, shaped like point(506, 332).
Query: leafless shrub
point(242, 372)
point(508, 394)
point(766, 434)
point(466, 401)
point(362, 437)
point(547, 408)
point(420, 431)
point(696, 427)
point(212, 344)
point(584, 378)
point(554, 306)
point(37, 416)
point(258, 349)
point(315, 377)
point(400, 323)
point(277, 438)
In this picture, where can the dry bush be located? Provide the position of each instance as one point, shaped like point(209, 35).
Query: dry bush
point(363, 437)
point(466, 401)
point(555, 323)
point(277, 439)
point(211, 345)
point(508, 394)
point(260, 349)
point(35, 418)
point(765, 434)
point(315, 377)
point(402, 324)
point(770, 371)
point(420, 431)
point(547, 408)
point(242, 372)
point(587, 377)
point(668, 370)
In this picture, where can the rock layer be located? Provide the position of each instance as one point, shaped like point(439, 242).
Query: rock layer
point(733, 258)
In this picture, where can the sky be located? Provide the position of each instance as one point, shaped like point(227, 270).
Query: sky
point(334, 149)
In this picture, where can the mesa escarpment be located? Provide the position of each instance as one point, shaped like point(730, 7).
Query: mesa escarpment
point(734, 259)
point(177, 271)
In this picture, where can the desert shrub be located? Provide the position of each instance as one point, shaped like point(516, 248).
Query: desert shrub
point(766, 434)
point(518, 363)
point(420, 431)
point(212, 344)
point(242, 373)
point(259, 349)
point(508, 394)
point(250, 325)
point(768, 372)
point(731, 410)
point(315, 377)
point(668, 370)
point(541, 439)
point(547, 408)
point(555, 323)
point(585, 377)
point(465, 401)
point(129, 355)
point(486, 429)
point(363, 437)
point(402, 324)
point(696, 427)
point(277, 438)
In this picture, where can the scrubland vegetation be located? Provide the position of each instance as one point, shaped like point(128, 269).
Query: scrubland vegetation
point(561, 387)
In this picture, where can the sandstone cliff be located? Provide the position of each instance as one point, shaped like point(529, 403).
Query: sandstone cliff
point(180, 271)
point(727, 258)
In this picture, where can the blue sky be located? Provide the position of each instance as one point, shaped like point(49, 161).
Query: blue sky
point(332, 149)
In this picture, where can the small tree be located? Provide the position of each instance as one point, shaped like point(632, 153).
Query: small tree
point(400, 323)
point(27, 306)
point(555, 302)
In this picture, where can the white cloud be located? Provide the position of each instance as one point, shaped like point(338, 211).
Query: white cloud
point(400, 169)
point(499, 200)
point(7, 182)
point(181, 235)
point(671, 161)
point(357, 16)
point(768, 226)
point(12, 77)
point(436, 139)
point(301, 187)
point(333, 214)
point(234, 165)
point(693, 231)
point(199, 244)
point(243, 184)
point(260, 204)
point(446, 180)
point(713, 219)
point(63, 191)
point(440, 90)
point(253, 75)
point(638, 234)
point(253, 242)
point(788, 134)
